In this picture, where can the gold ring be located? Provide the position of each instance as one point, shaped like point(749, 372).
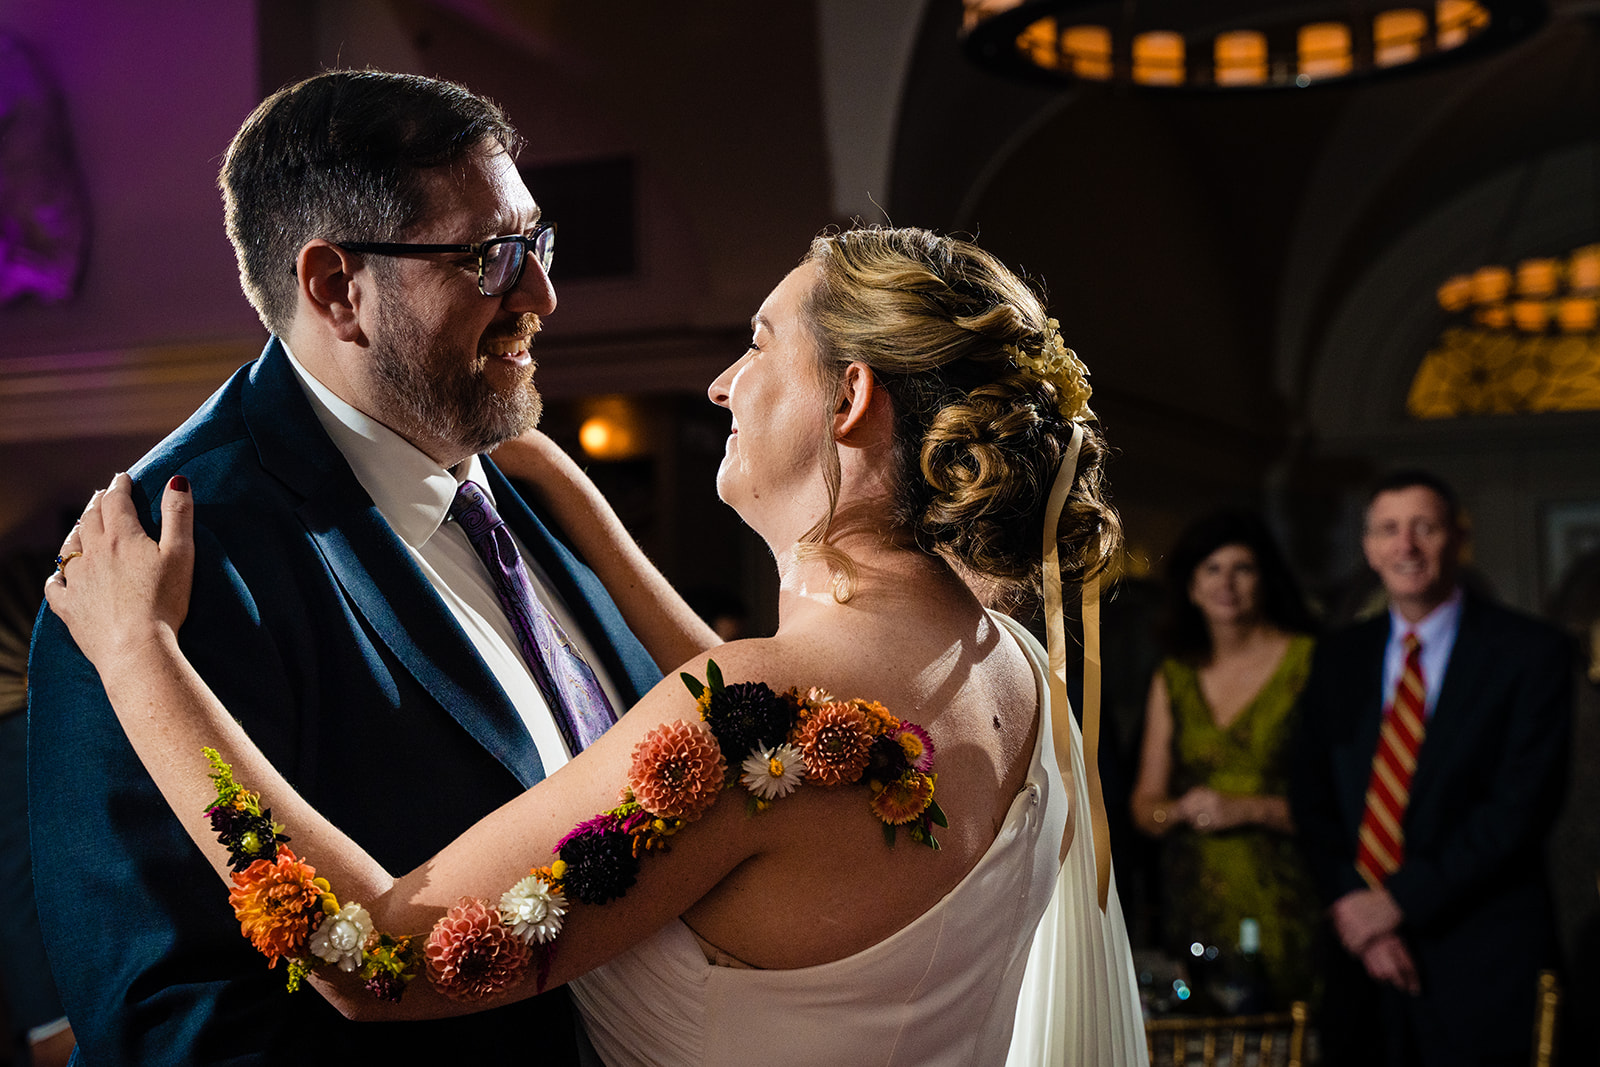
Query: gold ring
point(62, 561)
point(1202, 820)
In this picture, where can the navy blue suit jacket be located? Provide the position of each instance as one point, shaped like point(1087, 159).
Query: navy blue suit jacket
point(321, 635)
point(1489, 780)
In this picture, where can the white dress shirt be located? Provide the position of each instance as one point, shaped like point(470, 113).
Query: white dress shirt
point(413, 493)
point(1437, 632)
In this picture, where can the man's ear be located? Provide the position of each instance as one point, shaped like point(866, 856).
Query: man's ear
point(858, 389)
point(330, 289)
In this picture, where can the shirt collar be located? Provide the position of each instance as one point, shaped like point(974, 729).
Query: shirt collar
point(410, 489)
point(1433, 627)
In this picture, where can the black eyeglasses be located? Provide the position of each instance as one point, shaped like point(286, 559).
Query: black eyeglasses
point(500, 259)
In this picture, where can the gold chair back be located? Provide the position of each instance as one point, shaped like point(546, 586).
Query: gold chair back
point(1544, 1020)
point(1273, 1040)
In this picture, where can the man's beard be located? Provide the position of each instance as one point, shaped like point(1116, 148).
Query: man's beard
point(431, 393)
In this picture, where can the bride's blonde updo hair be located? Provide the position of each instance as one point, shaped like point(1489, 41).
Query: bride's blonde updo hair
point(977, 439)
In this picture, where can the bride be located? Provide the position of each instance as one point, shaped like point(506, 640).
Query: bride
point(899, 418)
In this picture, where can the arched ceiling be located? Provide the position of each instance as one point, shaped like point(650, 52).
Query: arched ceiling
point(1250, 276)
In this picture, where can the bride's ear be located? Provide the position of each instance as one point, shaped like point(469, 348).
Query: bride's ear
point(859, 395)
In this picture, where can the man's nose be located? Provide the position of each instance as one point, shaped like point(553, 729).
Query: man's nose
point(533, 291)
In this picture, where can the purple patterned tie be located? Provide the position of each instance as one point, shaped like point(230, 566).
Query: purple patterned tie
point(576, 700)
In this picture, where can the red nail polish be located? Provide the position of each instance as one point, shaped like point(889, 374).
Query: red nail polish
point(179, 482)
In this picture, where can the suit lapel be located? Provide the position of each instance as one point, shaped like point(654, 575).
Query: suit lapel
point(625, 660)
point(1367, 698)
point(381, 582)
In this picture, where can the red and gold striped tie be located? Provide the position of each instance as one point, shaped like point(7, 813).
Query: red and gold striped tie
point(1381, 846)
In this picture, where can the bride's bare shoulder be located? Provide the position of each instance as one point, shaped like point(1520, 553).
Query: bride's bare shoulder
point(782, 662)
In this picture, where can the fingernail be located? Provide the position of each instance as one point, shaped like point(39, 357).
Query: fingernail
point(179, 482)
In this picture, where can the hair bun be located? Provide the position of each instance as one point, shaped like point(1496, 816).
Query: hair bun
point(988, 462)
point(985, 394)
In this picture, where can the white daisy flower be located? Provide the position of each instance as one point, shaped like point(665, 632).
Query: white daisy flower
point(771, 773)
point(342, 937)
point(533, 909)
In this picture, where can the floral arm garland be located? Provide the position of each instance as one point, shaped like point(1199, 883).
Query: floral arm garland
point(480, 949)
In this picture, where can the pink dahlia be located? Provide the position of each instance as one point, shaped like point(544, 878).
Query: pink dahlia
point(835, 743)
point(472, 954)
point(678, 770)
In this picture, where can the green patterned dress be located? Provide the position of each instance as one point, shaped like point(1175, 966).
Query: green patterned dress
point(1214, 880)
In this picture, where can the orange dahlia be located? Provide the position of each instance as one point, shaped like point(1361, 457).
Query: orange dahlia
point(278, 905)
point(904, 799)
point(677, 770)
point(471, 953)
point(835, 743)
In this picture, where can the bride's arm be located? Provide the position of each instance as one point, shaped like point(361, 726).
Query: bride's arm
point(664, 623)
point(124, 600)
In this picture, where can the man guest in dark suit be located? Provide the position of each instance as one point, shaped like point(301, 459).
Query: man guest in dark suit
point(1428, 771)
point(390, 247)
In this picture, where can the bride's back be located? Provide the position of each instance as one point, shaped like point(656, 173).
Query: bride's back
point(868, 954)
point(898, 421)
point(932, 657)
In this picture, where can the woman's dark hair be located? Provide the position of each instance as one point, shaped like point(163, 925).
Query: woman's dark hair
point(1185, 633)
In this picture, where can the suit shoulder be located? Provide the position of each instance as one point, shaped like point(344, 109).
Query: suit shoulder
point(1352, 639)
point(216, 425)
point(1511, 625)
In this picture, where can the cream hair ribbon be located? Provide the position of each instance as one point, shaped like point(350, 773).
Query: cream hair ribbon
point(1056, 633)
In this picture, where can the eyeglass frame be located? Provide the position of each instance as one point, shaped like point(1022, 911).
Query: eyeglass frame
point(529, 243)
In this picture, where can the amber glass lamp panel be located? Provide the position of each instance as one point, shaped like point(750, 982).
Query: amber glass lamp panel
point(1397, 36)
point(1039, 43)
point(1158, 58)
point(1241, 58)
point(1458, 21)
point(1325, 50)
point(1088, 51)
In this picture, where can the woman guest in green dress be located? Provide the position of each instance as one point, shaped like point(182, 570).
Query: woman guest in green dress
point(1212, 773)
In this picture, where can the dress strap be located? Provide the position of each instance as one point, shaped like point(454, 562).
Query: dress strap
point(1056, 633)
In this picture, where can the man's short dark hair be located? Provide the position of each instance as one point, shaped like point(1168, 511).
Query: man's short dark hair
point(1414, 478)
point(341, 156)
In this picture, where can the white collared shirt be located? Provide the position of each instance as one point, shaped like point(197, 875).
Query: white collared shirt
point(413, 494)
point(1437, 632)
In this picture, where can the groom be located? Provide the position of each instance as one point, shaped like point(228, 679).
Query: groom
point(337, 611)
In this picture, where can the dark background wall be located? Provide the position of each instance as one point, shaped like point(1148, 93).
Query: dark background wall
point(1250, 277)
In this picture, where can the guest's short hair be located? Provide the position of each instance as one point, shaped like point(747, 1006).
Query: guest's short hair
point(1414, 478)
point(341, 156)
point(1185, 633)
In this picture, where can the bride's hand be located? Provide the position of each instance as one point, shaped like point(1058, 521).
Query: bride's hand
point(116, 589)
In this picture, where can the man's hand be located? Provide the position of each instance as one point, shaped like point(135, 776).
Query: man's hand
point(1363, 916)
point(1388, 960)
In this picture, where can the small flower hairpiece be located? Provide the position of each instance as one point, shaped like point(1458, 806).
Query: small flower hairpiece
point(678, 769)
point(1060, 366)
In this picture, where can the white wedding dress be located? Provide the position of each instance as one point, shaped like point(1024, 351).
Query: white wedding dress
point(1016, 966)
